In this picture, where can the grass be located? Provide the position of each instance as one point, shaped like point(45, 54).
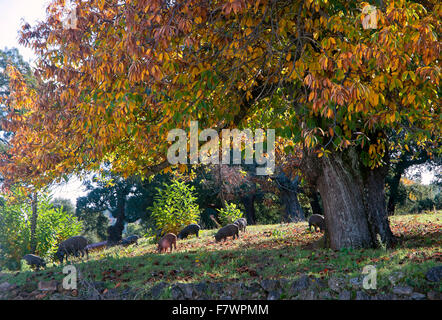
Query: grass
point(262, 252)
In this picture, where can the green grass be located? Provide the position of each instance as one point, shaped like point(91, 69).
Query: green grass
point(263, 252)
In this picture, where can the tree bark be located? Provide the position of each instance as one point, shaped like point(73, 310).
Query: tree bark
point(248, 202)
point(293, 210)
point(353, 199)
point(375, 207)
point(288, 194)
point(394, 187)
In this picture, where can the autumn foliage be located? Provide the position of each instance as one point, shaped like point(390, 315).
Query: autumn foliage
point(112, 86)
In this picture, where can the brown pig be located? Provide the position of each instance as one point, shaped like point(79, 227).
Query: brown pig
point(231, 230)
point(166, 242)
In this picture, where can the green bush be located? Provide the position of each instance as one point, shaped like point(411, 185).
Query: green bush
point(53, 226)
point(229, 214)
point(175, 207)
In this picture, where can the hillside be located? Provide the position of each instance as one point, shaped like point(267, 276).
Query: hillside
point(280, 261)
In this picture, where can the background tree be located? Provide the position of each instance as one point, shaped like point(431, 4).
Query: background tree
point(126, 199)
point(17, 238)
point(108, 193)
point(95, 222)
point(414, 197)
point(64, 204)
point(11, 57)
point(405, 156)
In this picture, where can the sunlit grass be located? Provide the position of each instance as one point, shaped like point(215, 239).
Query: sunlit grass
point(262, 252)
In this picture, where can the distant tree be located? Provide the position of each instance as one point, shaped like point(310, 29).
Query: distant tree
point(64, 204)
point(11, 57)
point(404, 157)
point(414, 197)
point(127, 200)
point(17, 236)
point(95, 222)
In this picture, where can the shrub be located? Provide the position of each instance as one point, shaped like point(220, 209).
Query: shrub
point(229, 214)
point(175, 207)
point(53, 226)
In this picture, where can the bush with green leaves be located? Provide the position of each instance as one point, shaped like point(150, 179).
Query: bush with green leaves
point(175, 207)
point(229, 214)
point(53, 226)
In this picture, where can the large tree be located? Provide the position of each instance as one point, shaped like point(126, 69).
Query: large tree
point(115, 82)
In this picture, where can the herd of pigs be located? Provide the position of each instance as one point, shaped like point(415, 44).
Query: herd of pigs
point(78, 245)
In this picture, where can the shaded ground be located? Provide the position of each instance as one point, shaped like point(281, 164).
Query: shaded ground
point(284, 253)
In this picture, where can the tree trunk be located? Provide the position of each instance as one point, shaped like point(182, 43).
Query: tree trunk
point(33, 240)
point(248, 202)
point(353, 200)
point(115, 231)
point(315, 202)
point(293, 210)
point(375, 207)
point(392, 200)
point(288, 194)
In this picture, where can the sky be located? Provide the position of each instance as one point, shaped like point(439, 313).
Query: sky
point(12, 12)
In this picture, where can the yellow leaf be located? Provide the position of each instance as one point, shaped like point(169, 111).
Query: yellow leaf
point(374, 99)
point(288, 56)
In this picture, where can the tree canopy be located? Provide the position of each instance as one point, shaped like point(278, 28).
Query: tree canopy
point(114, 84)
point(115, 81)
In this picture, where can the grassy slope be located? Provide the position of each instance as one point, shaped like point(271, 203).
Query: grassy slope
point(265, 251)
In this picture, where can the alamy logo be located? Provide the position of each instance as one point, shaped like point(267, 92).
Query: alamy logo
point(70, 281)
point(209, 152)
point(70, 17)
point(369, 281)
point(369, 17)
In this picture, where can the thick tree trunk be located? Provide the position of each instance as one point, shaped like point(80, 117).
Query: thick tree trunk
point(375, 207)
point(33, 240)
point(288, 194)
point(293, 210)
point(353, 200)
point(248, 202)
